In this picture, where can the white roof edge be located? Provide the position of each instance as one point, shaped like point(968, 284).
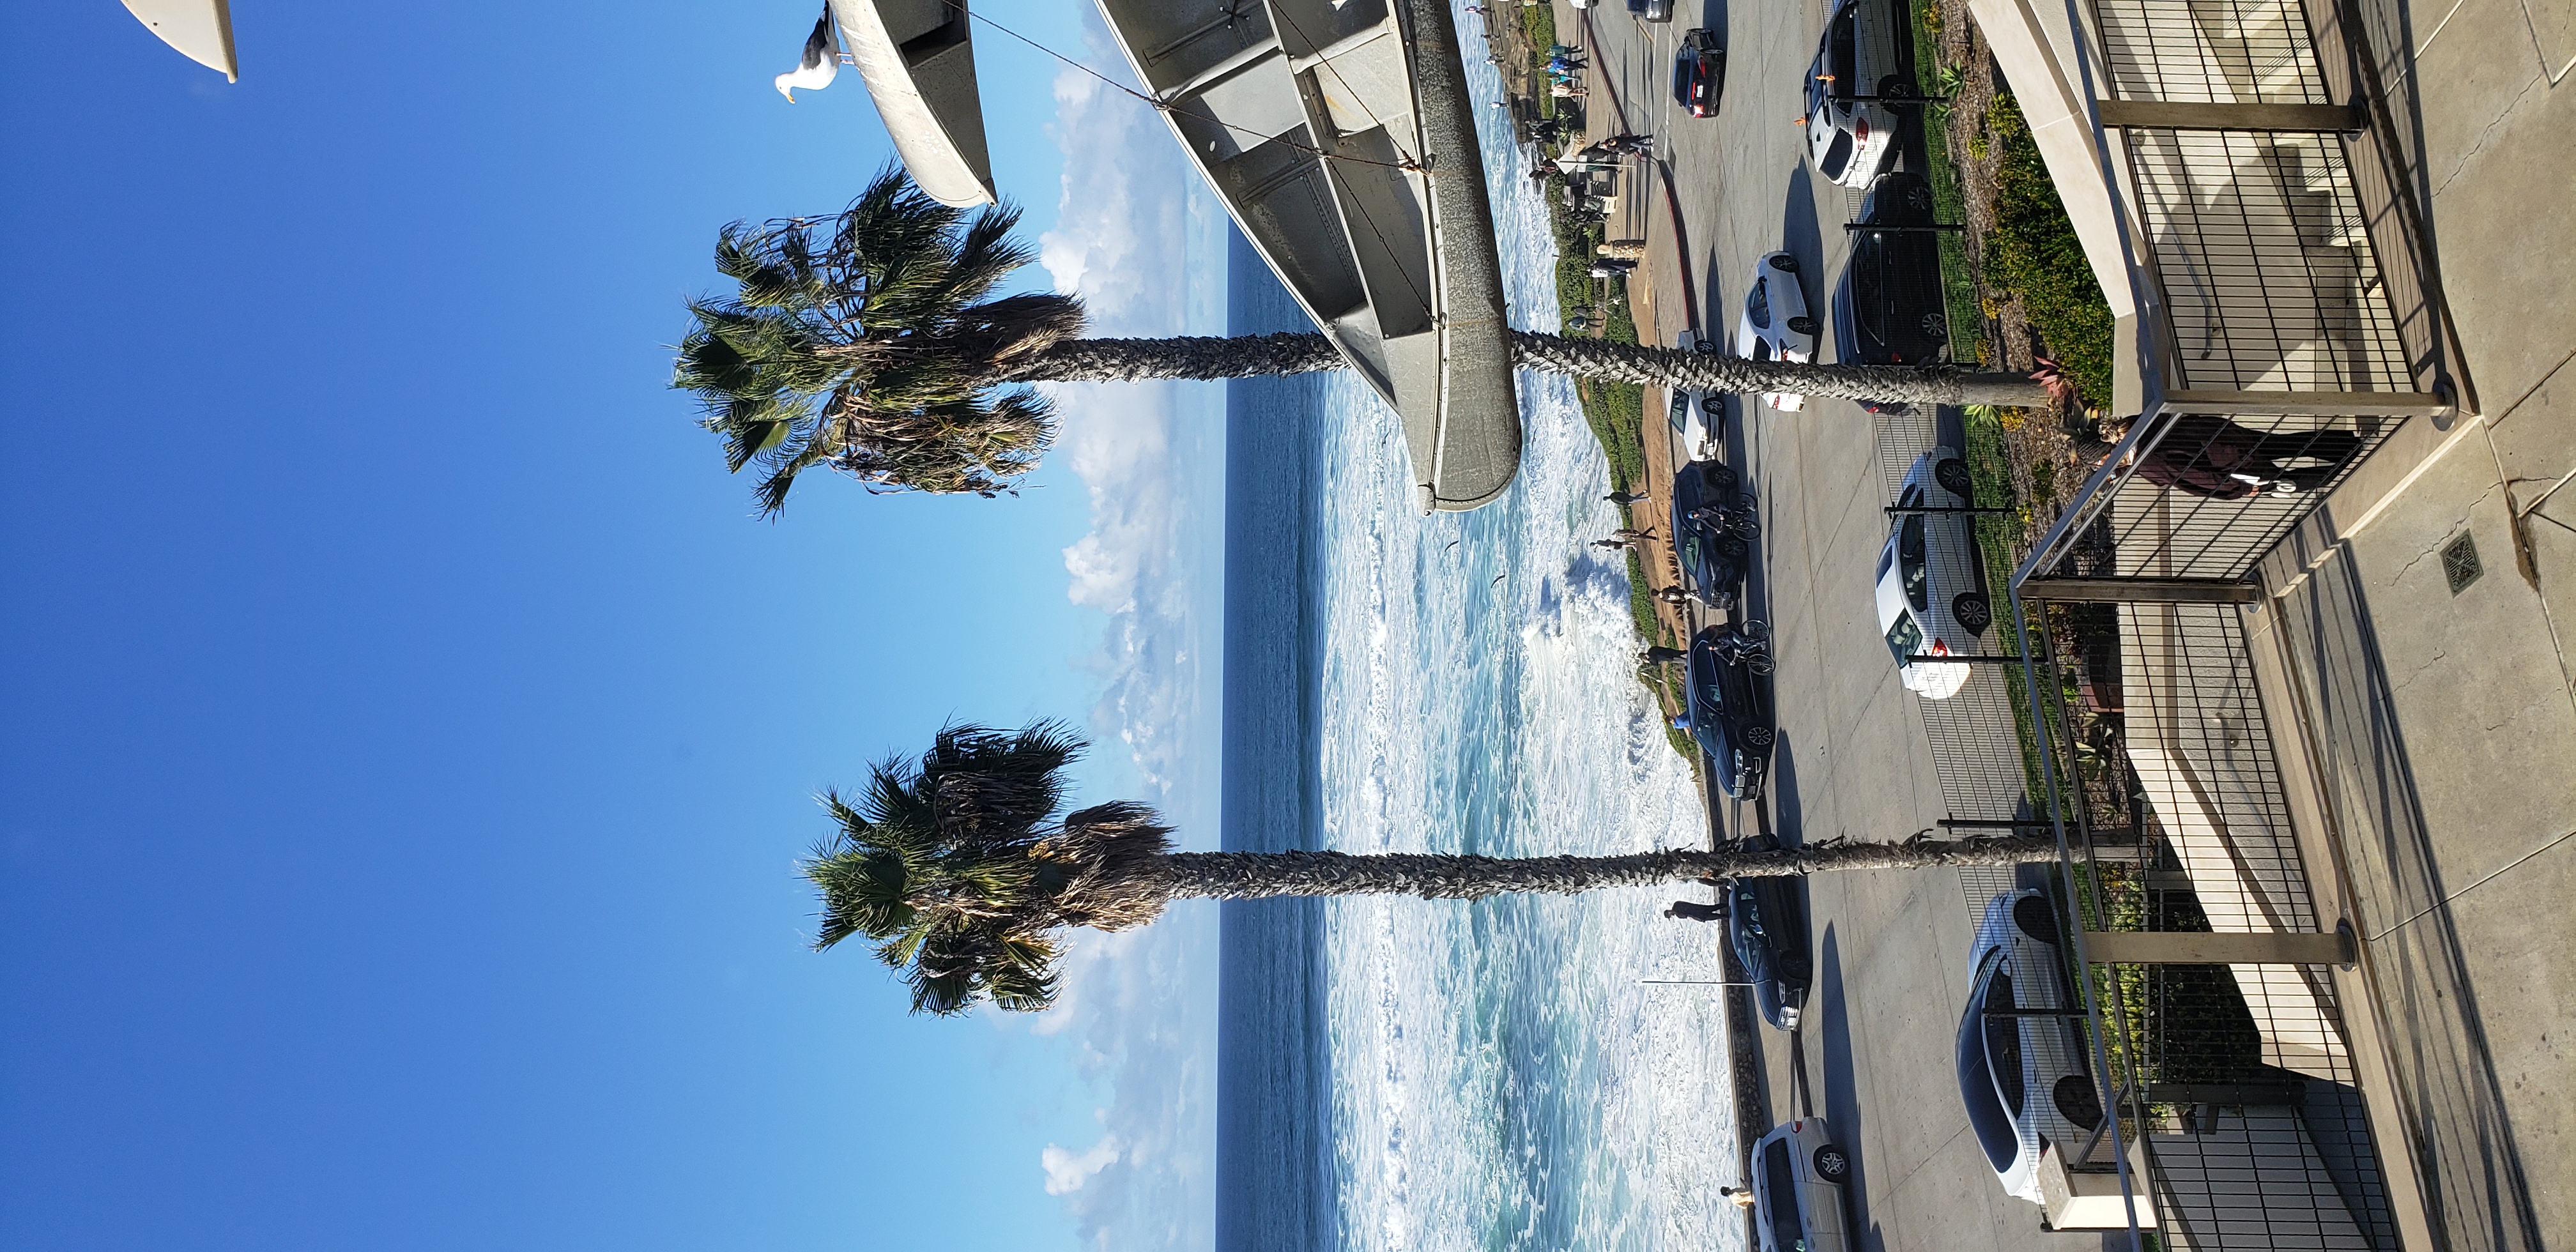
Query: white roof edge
point(921, 136)
point(201, 30)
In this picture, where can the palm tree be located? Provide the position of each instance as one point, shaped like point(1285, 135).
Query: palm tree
point(959, 869)
point(872, 343)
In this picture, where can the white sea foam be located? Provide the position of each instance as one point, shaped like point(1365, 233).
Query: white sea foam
point(1501, 1078)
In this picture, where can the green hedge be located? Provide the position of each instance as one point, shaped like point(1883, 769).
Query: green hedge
point(2035, 254)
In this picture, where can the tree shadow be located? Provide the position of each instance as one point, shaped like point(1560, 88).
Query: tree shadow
point(1800, 236)
point(1829, 1021)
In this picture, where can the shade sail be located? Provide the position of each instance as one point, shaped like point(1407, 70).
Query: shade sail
point(918, 57)
point(202, 30)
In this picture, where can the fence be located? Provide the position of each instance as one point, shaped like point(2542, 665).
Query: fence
point(2287, 323)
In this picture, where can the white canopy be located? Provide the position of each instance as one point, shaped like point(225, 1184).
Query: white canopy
point(202, 30)
point(918, 57)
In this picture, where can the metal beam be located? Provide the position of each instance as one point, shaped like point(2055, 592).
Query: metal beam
point(2191, 947)
point(2189, 115)
point(2309, 403)
point(2142, 590)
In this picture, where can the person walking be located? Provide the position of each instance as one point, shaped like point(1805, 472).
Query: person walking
point(1625, 498)
point(1658, 654)
point(1740, 1197)
point(1672, 595)
point(1630, 532)
point(1694, 911)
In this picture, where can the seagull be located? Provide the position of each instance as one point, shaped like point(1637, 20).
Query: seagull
point(823, 58)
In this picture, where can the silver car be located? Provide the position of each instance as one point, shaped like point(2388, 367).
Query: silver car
point(1695, 413)
point(2022, 1074)
point(1931, 583)
point(1851, 122)
point(1798, 1178)
point(1775, 325)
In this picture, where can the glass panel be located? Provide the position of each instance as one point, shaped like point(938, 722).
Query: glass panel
point(2003, 1043)
point(1757, 303)
point(1909, 551)
point(1837, 155)
point(1780, 1179)
point(1905, 639)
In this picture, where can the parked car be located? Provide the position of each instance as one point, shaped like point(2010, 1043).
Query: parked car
point(2024, 1078)
point(1889, 308)
point(1713, 524)
point(1766, 923)
point(1699, 72)
point(1798, 1200)
point(1776, 325)
point(1652, 10)
point(1931, 584)
point(1695, 414)
point(1859, 55)
point(1730, 706)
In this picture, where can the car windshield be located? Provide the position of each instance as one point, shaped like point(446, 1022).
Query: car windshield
point(1761, 349)
point(1905, 639)
point(1839, 51)
point(1837, 155)
point(1757, 302)
point(1681, 410)
point(2003, 1041)
point(1909, 556)
point(1780, 1182)
point(1986, 1115)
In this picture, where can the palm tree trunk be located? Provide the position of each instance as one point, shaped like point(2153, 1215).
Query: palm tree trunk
point(1264, 356)
point(1709, 371)
point(1434, 876)
point(1188, 356)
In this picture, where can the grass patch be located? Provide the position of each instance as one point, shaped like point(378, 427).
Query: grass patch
point(2034, 254)
point(1958, 289)
point(1538, 23)
point(1996, 542)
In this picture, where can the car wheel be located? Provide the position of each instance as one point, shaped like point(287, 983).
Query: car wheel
point(1832, 1163)
point(1972, 612)
point(1785, 263)
point(1710, 405)
point(1935, 327)
point(2032, 916)
point(1952, 474)
point(1745, 503)
point(1732, 548)
point(1758, 736)
point(1804, 325)
point(1754, 628)
point(1722, 477)
point(1897, 89)
point(2077, 1100)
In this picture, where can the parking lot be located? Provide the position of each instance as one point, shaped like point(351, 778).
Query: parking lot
point(1852, 761)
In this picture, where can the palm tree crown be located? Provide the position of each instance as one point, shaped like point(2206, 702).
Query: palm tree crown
point(871, 343)
point(959, 868)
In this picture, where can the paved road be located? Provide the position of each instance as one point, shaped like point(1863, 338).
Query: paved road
point(1852, 761)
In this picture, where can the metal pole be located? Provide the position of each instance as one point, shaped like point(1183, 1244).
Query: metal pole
point(1928, 508)
point(1933, 228)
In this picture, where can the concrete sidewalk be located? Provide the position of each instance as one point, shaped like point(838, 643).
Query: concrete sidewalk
point(2433, 705)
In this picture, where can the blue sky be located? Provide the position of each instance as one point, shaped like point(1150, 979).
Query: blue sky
point(409, 733)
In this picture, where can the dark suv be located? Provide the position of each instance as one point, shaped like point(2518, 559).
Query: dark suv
point(1730, 707)
point(1766, 924)
point(1699, 72)
point(1713, 526)
point(1889, 308)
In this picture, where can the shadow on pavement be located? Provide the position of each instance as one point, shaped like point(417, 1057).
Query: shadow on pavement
point(1829, 1023)
point(1799, 234)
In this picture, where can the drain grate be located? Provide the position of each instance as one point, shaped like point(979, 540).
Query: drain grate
point(2460, 562)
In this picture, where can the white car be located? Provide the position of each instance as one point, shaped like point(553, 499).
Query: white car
point(1776, 325)
point(2023, 1076)
point(1931, 582)
point(1848, 137)
point(1798, 1178)
point(1695, 414)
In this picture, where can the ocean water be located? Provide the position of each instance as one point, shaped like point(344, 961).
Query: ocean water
point(1406, 1074)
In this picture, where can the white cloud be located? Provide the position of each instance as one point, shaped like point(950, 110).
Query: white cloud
point(1137, 1009)
point(1067, 1171)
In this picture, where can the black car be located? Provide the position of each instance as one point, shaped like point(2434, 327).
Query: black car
point(1699, 72)
point(1766, 923)
point(1713, 524)
point(1889, 308)
point(1730, 707)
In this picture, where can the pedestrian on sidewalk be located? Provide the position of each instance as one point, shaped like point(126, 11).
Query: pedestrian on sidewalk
point(1694, 911)
point(1658, 654)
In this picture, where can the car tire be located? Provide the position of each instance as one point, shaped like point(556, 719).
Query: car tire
point(1759, 736)
point(1832, 1163)
point(1731, 547)
point(1745, 503)
point(1785, 263)
point(1754, 628)
point(2035, 919)
point(1972, 612)
point(1722, 477)
point(1712, 406)
point(1898, 91)
point(1935, 326)
point(1804, 325)
point(2077, 1101)
point(1952, 473)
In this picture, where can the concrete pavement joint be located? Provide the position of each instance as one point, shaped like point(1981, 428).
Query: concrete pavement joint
point(2445, 902)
